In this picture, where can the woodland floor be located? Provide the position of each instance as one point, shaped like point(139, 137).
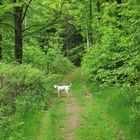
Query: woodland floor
point(79, 117)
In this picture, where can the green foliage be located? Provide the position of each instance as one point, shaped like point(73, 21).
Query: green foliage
point(105, 115)
point(36, 57)
point(61, 65)
point(114, 59)
point(54, 122)
point(26, 90)
point(22, 89)
point(24, 93)
point(8, 6)
point(50, 62)
point(76, 54)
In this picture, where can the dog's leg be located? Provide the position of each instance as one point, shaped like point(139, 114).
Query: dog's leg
point(58, 93)
point(68, 93)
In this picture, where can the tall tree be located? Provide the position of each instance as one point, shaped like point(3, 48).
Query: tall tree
point(88, 18)
point(21, 29)
point(19, 15)
point(18, 11)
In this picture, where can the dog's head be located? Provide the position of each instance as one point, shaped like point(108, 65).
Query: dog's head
point(55, 86)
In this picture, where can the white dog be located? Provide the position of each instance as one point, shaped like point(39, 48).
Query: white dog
point(61, 88)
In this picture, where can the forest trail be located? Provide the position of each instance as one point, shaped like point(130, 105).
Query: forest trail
point(72, 109)
point(78, 117)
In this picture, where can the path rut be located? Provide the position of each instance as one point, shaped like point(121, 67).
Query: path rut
point(72, 108)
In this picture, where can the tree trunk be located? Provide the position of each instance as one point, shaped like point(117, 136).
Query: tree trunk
point(18, 32)
point(119, 1)
point(0, 37)
point(87, 24)
point(67, 32)
point(90, 23)
point(98, 6)
point(0, 47)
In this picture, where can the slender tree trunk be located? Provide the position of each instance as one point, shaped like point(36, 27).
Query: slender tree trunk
point(0, 47)
point(90, 24)
point(0, 37)
point(67, 31)
point(25, 24)
point(98, 6)
point(88, 15)
point(87, 24)
point(18, 32)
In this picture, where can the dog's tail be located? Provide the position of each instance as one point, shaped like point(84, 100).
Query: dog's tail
point(70, 84)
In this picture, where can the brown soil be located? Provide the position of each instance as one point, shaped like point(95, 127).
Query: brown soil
point(72, 108)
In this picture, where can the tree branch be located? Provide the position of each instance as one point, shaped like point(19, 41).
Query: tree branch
point(46, 26)
point(10, 13)
point(7, 24)
point(35, 25)
point(26, 9)
point(52, 23)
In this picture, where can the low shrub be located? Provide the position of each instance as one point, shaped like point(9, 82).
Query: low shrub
point(49, 62)
point(22, 90)
point(61, 65)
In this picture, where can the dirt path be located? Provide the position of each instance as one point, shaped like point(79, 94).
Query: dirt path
point(65, 125)
point(69, 77)
point(72, 108)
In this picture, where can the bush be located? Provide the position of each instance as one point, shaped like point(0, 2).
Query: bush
point(24, 92)
point(50, 62)
point(61, 65)
point(35, 57)
point(22, 89)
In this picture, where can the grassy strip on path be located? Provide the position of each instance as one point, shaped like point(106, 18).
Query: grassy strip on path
point(52, 123)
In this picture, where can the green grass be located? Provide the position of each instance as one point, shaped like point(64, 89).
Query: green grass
point(109, 119)
point(22, 126)
point(118, 110)
point(52, 123)
point(31, 123)
point(93, 125)
point(106, 116)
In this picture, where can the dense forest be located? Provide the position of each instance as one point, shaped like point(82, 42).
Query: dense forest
point(41, 41)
